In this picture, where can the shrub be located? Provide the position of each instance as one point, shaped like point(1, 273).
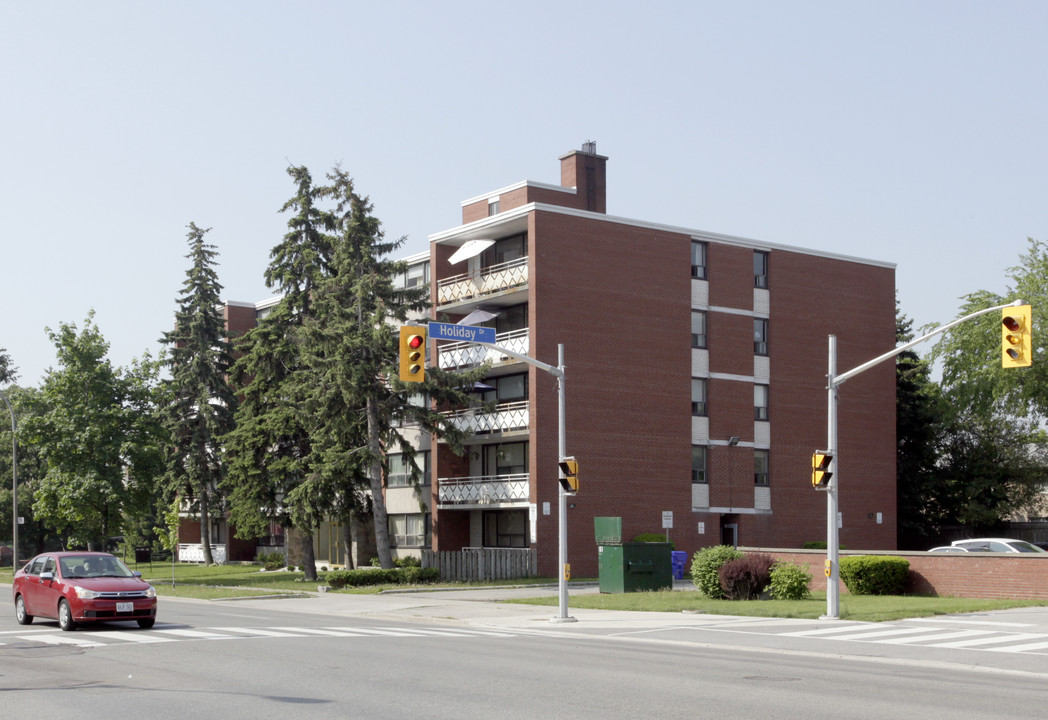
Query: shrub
point(705, 565)
point(271, 561)
point(745, 578)
point(408, 561)
point(338, 579)
point(653, 537)
point(789, 581)
point(874, 574)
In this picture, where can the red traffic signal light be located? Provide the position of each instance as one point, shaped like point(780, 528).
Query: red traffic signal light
point(412, 353)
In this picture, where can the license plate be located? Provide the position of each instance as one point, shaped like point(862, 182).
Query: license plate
point(125, 607)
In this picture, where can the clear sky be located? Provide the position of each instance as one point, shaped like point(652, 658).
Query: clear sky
point(902, 131)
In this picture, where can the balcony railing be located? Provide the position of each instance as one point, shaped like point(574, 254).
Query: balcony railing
point(488, 280)
point(461, 354)
point(483, 490)
point(505, 417)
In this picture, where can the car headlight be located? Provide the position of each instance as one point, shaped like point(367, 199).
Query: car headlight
point(151, 592)
point(84, 594)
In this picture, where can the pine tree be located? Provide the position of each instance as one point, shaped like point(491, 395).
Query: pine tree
point(202, 403)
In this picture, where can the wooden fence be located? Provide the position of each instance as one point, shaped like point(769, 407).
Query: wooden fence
point(479, 564)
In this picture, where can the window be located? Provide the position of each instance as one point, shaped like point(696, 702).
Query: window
point(506, 528)
point(505, 250)
point(760, 467)
point(409, 530)
point(493, 207)
point(506, 459)
point(414, 276)
point(507, 388)
point(399, 474)
point(698, 260)
point(698, 329)
point(698, 464)
point(698, 396)
point(512, 319)
point(760, 269)
point(760, 336)
point(760, 402)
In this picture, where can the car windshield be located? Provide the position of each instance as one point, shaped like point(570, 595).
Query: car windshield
point(88, 566)
point(1023, 546)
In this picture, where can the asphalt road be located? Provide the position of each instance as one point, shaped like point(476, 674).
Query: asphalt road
point(447, 655)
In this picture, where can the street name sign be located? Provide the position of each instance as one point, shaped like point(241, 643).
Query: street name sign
point(462, 333)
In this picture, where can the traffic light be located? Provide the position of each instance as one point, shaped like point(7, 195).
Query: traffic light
point(1016, 341)
point(820, 468)
point(412, 353)
point(569, 468)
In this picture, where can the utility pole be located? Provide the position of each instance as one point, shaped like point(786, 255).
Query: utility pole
point(14, 485)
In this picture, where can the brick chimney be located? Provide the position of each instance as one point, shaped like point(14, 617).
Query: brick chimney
point(586, 171)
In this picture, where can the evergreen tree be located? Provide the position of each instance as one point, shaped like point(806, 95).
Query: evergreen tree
point(202, 404)
point(271, 443)
point(351, 349)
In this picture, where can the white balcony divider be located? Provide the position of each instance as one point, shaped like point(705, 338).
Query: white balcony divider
point(489, 280)
point(483, 490)
point(505, 417)
point(463, 354)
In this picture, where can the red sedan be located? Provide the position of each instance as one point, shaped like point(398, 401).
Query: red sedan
point(82, 587)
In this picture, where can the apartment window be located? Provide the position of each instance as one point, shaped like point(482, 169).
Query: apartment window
point(506, 459)
point(760, 269)
point(506, 388)
point(493, 207)
point(760, 336)
point(505, 250)
point(698, 329)
point(760, 402)
point(512, 318)
point(698, 464)
point(698, 260)
point(399, 474)
point(506, 528)
point(698, 396)
point(760, 467)
point(415, 275)
point(409, 530)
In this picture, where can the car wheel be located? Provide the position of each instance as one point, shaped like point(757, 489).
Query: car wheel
point(146, 623)
point(21, 615)
point(65, 616)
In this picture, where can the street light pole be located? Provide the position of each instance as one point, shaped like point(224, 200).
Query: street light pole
point(14, 485)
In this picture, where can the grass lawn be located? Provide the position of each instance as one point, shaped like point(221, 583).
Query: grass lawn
point(867, 608)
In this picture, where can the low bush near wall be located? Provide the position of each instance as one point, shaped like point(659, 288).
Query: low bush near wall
point(397, 576)
point(789, 581)
point(705, 568)
point(874, 574)
point(745, 578)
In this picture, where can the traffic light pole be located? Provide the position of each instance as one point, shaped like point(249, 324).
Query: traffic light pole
point(562, 449)
point(833, 382)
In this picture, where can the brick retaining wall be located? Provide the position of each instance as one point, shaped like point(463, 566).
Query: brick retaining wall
point(971, 575)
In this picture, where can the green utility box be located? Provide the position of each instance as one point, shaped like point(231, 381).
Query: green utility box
point(631, 566)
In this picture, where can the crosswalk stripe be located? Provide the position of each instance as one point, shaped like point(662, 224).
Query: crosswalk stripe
point(1012, 637)
point(62, 640)
point(290, 632)
point(192, 633)
point(1020, 648)
point(135, 637)
point(935, 636)
point(332, 632)
point(387, 632)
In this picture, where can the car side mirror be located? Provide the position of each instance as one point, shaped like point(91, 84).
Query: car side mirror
point(47, 576)
point(136, 574)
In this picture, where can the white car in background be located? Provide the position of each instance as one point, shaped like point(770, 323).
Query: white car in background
point(997, 545)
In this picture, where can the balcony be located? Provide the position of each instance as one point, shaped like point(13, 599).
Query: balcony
point(489, 280)
point(464, 355)
point(504, 418)
point(483, 490)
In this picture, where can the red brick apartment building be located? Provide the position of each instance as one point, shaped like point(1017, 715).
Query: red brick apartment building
point(695, 378)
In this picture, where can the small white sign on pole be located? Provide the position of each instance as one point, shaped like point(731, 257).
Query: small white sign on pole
point(667, 518)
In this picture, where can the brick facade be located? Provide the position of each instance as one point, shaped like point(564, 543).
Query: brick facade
point(618, 294)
